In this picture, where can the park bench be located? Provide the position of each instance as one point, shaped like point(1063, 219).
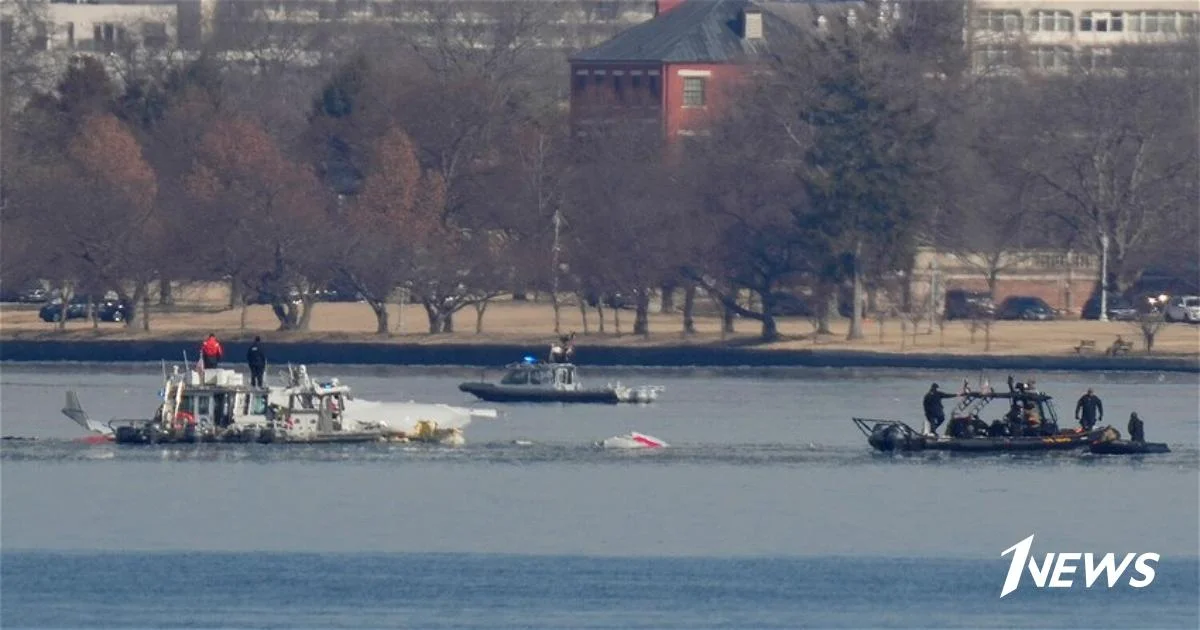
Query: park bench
point(1119, 346)
point(1085, 344)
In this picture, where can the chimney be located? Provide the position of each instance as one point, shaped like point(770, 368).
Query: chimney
point(662, 6)
point(752, 23)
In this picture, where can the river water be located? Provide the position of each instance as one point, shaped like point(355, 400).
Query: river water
point(768, 510)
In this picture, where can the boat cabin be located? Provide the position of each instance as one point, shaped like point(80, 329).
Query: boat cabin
point(530, 373)
point(1021, 405)
point(219, 397)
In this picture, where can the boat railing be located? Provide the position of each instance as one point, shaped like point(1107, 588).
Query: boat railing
point(870, 425)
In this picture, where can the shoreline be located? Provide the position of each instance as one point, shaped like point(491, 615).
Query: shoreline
point(495, 354)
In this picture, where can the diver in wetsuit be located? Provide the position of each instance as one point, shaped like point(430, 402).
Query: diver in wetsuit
point(1137, 430)
point(934, 414)
point(1089, 410)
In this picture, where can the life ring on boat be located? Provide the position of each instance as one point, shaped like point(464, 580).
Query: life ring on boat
point(184, 418)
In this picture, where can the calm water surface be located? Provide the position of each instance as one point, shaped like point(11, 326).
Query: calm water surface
point(768, 510)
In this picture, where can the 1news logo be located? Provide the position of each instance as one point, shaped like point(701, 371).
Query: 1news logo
point(1055, 566)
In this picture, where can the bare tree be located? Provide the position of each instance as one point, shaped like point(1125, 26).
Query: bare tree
point(1116, 149)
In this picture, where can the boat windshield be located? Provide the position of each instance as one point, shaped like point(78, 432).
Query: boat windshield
point(516, 377)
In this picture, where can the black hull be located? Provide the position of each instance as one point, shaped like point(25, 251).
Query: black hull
point(499, 393)
point(897, 437)
point(1125, 447)
point(1061, 442)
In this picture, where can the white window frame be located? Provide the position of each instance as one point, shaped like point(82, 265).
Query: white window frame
point(690, 94)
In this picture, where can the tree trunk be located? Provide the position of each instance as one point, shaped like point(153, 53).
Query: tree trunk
point(770, 329)
point(139, 306)
point(828, 309)
point(727, 319)
point(600, 314)
point(668, 299)
point(481, 307)
point(583, 307)
point(641, 319)
point(856, 308)
point(245, 312)
point(236, 294)
point(557, 314)
point(616, 320)
point(288, 314)
point(307, 304)
point(379, 307)
point(689, 309)
point(166, 293)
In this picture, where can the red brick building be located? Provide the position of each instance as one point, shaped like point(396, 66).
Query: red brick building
point(672, 73)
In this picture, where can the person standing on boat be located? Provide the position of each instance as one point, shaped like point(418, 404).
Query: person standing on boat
point(257, 361)
point(934, 414)
point(1089, 410)
point(211, 352)
point(1137, 431)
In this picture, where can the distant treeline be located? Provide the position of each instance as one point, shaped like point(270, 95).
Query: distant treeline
point(448, 169)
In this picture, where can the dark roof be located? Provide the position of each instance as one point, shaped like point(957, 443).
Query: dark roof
point(702, 31)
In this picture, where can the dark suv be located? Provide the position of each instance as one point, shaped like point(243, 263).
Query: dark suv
point(962, 304)
point(1025, 307)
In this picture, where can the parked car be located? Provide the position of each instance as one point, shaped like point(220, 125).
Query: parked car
point(77, 308)
point(1183, 308)
point(1119, 309)
point(112, 311)
point(1025, 307)
point(963, 304)
point(32, 293)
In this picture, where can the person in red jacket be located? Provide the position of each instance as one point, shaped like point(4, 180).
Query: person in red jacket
point(211, 352)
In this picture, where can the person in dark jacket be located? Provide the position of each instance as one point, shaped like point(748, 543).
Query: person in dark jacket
point(1089, 410)
point(1137, 431)
point(934, 414)
point(257, 361)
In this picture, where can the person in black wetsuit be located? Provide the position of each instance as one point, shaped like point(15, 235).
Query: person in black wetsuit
point(1137, 431)
point(257, 360)
point(934, 414)
point(1089, 410)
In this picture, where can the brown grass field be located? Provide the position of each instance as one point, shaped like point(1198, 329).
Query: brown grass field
point(533, 323)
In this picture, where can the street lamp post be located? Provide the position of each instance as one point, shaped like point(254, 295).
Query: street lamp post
point(1103, 277)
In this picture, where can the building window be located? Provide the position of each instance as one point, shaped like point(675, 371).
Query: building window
point(6, 33)
point(1051, 21)
point(652, 81)
point(1098, 58)
point(154, 35)
point(1051, 58)
point(580, 83)
point(1162, 22)
point(1102, 21)
point(998, 21)
point(693, 92)
point(619, 87)
point(994, 57)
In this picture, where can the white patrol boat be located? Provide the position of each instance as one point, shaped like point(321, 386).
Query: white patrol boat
point(216, 405)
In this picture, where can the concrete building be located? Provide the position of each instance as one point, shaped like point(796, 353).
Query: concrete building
point(93, 26)
point(1049, 35)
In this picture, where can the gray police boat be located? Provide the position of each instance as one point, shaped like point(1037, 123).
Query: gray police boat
point(533, 381)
